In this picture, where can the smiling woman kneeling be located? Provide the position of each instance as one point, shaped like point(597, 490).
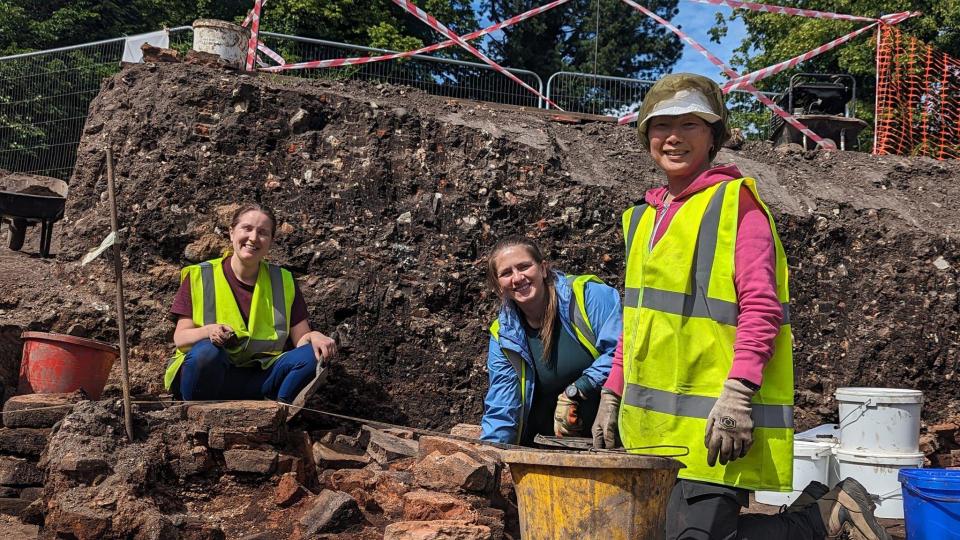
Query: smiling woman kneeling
point(242, 329)
point(550, 347)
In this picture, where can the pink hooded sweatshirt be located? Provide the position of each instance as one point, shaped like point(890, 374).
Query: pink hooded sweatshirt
point(754, 278)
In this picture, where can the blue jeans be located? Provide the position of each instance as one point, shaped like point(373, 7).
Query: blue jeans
point(207, 373)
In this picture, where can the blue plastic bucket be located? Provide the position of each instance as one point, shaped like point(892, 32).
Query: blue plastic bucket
point(931, 503)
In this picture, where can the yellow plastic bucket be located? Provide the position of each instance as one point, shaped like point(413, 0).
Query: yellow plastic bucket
point(602, 496)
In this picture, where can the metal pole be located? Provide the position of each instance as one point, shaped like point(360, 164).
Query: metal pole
point(121, 319)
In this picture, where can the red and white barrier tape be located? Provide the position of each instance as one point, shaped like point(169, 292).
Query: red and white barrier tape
point(271, 53)
point(412, 9)
point(760, 74)
point(249, 16)
point(787, 117)
point(430, 48)
point(781, 10)
point(254, 30)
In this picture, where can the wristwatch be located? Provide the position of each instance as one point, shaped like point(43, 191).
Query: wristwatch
point(573, 393)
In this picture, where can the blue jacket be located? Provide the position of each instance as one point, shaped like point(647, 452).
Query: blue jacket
point(502, 411)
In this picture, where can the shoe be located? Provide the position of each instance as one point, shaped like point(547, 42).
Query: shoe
point(808, 496)
point(848, 508)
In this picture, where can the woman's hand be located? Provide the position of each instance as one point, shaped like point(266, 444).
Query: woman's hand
point(219, 334)
point(323, 346)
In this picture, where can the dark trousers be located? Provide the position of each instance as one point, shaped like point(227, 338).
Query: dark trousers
point(207, 373)
point(702, 511)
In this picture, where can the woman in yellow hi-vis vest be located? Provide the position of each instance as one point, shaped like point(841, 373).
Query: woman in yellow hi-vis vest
point(705, 358)
point(242, 328)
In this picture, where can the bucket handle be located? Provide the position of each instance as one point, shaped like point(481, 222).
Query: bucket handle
point(865, 404)
point(681, 451)
point(929, 497)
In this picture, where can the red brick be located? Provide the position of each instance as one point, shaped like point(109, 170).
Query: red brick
point(38, 410)
point(436, 530)
point(471, 431)
point(452, 473)
point(421, 505)
point(332, 511)
point(288, 491)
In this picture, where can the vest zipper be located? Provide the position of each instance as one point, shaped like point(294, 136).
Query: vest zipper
point(656, 225)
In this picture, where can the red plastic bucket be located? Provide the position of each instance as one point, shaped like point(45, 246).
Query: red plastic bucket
point(57, 363)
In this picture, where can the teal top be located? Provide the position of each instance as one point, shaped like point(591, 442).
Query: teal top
point(567, 361)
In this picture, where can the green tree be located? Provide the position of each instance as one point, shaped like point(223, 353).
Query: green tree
point(772, 38)
point(628, 44)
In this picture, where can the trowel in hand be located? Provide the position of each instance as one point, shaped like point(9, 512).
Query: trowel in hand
point(311, 388)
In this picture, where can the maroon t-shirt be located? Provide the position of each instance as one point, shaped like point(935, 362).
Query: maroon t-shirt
point(243, 293)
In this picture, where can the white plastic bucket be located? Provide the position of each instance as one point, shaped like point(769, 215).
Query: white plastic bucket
point(878, 473)
point(811, 461)
point(884, 420)
point(227, 40)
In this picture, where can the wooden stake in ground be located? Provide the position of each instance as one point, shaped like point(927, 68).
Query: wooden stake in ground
point(121, 319)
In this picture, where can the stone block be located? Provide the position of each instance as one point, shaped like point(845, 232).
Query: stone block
point(436, 530)
point(28, 442)
point(196, 461)
point(471, 431)
point(81, 467)
point(9, 491)
point(38, 410)
point(384, 447)
point(265, 416)
point(337, 456)
point(421, 505)
point(251, 461)
point(31, 494)
point(19, 472)
point(244, 438)
point(12, 506)
point(445, 446)
point(288, 491)
point(455, 472)
point(389, 491)
point(331, 511)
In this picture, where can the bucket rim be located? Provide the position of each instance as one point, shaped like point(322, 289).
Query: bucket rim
point(932, 478)
point(592, 460)
point(73, 340)
point(221, 24)
point(878, 458)
point(861, 394)
point(807, 448)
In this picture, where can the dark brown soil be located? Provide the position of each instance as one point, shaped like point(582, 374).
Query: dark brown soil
point(389, 199)
point(39, 190)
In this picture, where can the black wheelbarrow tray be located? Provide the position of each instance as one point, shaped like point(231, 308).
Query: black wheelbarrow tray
point(23, 209)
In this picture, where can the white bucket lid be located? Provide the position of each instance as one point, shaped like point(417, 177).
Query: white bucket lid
point(879, 458)
point(803, 448)
point(879, 395)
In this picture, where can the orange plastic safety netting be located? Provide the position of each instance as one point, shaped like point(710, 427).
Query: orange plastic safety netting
point(918, 98)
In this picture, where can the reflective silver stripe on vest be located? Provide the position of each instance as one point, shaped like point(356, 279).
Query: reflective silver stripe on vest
point(209, 293)
point(697, 304)
point(764, 416)
point(634, 223)
point(279, 299)
point(577, 320)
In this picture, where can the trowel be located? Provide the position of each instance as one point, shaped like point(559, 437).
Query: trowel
point(311, 388)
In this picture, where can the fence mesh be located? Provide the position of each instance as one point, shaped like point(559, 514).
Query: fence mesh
point(918, 96)
point(438, 76)
point(43, 106)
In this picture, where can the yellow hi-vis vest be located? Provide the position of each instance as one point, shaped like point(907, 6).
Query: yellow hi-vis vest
point(213, 302)
point(679, 326)
point(581, 327)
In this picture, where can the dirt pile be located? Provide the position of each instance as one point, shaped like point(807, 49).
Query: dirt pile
point(388, 199)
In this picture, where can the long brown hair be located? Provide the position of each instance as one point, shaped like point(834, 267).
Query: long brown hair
point(549, 321)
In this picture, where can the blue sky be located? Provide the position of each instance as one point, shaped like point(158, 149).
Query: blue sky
point(695, 20)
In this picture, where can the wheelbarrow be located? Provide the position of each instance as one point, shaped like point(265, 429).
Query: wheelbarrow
point(26, 200)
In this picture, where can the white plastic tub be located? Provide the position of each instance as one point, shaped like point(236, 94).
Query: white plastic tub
point(227, 40)
point(878, 473)
point(883, 420)
point(811, 461)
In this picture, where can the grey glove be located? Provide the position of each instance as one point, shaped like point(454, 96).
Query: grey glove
point(606, 433)
point(729, 426)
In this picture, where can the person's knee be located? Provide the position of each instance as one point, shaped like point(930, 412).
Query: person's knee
point(204, 355)
point(303, 357)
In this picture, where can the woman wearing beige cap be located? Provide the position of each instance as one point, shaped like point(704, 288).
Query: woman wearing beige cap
point(705, 358)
